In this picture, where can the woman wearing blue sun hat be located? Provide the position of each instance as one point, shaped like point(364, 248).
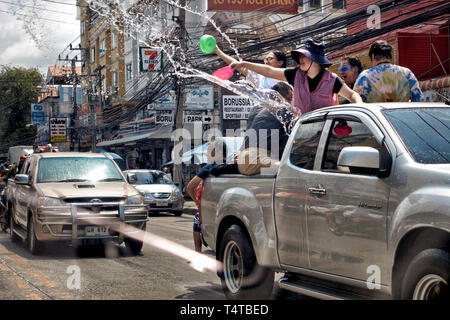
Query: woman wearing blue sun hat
point(314, 86)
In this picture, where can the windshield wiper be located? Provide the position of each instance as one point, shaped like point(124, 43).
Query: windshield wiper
point(73, 180)
point(110, 179)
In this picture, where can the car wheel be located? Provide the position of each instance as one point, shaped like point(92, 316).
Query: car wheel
point(14, 237)
point(177, 213)
point(427, 276)
point(34, 245)
point(242, 277)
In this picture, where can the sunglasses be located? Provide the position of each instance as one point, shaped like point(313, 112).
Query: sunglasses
point(344, 68)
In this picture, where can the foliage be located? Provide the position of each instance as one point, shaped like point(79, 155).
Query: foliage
point(18, 90)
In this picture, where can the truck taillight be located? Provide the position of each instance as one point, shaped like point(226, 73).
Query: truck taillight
point(199, 198)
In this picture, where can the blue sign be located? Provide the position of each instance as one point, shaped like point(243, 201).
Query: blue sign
point(37, 115)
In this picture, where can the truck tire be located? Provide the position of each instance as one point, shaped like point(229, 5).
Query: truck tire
point(134, 245)
point(34, 245)
point(242, 278)
point(427, 276)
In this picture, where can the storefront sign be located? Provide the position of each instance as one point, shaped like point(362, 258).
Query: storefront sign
point(278, 6)
point(58, 130)
point(151, 59)
point(199, 98)
point(164, 116)
point(236, 107)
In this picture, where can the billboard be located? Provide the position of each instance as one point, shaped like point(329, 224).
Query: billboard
point(58, 130)
point(277, 6)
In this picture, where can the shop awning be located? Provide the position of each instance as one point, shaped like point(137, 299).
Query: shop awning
point(163, 132)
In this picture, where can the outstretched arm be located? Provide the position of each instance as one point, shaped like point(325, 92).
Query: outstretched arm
point(349, 94)
point(262, 69)
point(228, 59)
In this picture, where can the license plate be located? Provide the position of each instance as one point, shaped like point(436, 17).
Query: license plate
point(96, 231)
point(162, 203)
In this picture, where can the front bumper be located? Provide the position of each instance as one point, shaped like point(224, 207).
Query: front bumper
point(164, 205)
point(70, 222)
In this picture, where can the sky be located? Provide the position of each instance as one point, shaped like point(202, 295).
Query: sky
point(34, 32)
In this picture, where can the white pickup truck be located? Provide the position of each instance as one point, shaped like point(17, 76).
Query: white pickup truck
point(357, 208)
point(75, 197)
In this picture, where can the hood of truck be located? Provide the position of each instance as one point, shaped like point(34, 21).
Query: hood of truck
point(86, 189)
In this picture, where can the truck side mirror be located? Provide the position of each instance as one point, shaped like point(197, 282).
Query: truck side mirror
point(359, 160)
point(22, 179)
point(131, 178)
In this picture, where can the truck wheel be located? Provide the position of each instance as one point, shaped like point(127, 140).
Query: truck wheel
point(134, 245)
point(177, 213)
point(34, 245)
point(427, 276)
point(242, 277)
point(14, 237)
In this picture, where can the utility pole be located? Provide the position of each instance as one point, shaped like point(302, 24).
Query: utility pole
point(74, 96)
point(179, 83)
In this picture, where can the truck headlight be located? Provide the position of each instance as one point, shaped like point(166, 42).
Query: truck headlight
point(137, 200)
point(50, 202)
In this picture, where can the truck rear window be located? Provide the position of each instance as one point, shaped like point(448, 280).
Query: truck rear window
point(425, 132)
point(77, 170)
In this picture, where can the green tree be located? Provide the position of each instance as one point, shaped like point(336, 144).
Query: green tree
point(18, 90)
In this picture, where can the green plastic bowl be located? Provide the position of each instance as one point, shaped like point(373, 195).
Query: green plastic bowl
point(207, 43)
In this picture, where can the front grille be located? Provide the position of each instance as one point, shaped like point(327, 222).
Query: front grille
point(161, 195)
point(87, 200)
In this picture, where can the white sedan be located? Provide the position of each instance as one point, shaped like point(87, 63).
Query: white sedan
point(159, 191)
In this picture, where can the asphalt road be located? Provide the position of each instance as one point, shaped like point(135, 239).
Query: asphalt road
point(98, 272)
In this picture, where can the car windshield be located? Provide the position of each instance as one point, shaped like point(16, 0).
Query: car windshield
point(152, 178)
point(424, 131)
point(77, 170)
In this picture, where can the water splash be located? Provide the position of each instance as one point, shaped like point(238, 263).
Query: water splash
point(144, 22)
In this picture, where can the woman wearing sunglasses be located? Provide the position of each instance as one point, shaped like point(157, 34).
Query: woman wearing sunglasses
point(350, 69)
point(314, 86)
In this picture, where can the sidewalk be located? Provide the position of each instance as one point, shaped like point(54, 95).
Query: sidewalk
point(190, 207)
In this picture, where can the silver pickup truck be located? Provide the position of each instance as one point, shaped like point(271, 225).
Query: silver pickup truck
point(73, 196)
point(357, 208)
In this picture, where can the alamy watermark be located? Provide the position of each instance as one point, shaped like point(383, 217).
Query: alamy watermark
point(374, 21)
point(374, 280)
point(74, 280)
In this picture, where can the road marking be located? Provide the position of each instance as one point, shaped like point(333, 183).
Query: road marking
point(36, 274)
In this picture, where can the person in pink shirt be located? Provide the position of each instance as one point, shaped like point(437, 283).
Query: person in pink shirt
point(314, 86)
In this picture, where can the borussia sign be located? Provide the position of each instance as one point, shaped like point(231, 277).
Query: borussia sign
point(150, 59)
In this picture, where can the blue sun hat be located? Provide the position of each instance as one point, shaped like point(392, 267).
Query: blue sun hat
point(313, 50)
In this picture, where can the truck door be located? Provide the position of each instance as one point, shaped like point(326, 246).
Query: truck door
point(291, 195)
point(346, 212)
point(23, 197)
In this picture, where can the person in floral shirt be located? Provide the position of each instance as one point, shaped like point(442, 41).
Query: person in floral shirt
point(386, 82)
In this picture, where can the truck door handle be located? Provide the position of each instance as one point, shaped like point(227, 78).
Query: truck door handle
point(318, 190)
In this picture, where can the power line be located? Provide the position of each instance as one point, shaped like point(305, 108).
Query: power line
point(27, 15)
point(39, 8)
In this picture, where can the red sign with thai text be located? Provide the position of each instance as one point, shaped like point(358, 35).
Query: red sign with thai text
point(278, 6)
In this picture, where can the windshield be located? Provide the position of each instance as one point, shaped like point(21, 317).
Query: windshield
point(77, 170)
point(424, 131)
point(152, 178)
